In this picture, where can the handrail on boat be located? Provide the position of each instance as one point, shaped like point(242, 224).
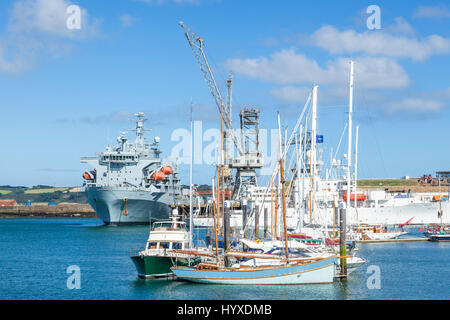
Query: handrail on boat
point(194, 252)
point(135, 252)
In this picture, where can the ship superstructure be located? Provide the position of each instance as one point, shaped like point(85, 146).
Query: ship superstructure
point(130, 182)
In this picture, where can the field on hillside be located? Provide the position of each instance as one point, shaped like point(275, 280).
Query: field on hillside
point(44, 190)
point(387, 183)
point(42, 194)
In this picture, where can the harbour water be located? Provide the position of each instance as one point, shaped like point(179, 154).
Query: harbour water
point(35, 255)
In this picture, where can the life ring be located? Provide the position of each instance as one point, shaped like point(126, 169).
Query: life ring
point(125, 211)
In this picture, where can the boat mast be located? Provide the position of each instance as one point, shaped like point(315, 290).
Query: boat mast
point(191, 223)
point(272, 233)
point(303, 144)
point(300, 199)
point(215, 221)
point(313, 151)
point(356, 163)
point(283, 198)
point(349, 153)
point(276, 203)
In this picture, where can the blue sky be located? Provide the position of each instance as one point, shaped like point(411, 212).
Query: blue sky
point(66, 94)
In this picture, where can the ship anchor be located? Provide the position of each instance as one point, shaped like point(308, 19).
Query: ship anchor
point(125, 211)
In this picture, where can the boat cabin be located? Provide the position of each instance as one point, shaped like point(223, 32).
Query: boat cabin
point(168, 235)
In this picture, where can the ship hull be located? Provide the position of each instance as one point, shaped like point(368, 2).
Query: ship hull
point(422, 213)
point(125, 207)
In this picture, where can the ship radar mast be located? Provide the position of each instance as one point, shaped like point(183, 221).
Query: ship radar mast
point(140, 119)
point(140, 125)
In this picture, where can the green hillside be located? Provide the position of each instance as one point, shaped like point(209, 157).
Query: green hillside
point(41, 194)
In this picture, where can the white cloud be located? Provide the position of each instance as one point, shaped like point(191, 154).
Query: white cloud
point(445, 94)
point(417, 105)
point(38, 27)
point(289, 67)
point(12, 65)
point(401, 26)
point(281, 67)
point(127, 20)
point(379, 42)
point(48, 17)
point(291, 94)
point(328, 95)
point(431, 12)
point(115, 116)
point(430, 102)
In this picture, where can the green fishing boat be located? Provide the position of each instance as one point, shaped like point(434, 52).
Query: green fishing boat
point(164, 249)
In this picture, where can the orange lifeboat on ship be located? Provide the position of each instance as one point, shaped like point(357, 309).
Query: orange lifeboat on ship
point(158, 176)
point(166, 170)
point(88, 176)
point(359, 197)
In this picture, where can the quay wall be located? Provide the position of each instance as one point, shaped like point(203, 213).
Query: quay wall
point(62, 210)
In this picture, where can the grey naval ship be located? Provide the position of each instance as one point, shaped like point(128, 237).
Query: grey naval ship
point(130, 183)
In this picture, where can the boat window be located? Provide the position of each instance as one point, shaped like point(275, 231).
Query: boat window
point(164, 245)
point(152, 245)
point(176, 245)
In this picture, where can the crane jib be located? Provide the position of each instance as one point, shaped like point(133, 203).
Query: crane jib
point(200, 56)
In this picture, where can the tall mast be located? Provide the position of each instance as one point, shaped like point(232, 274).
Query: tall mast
point(349, 153)
point(220, 182)
point(215, 222)
point(313, 150)
point(300, 197)
point(272, 232)
point(191, 220)
point(276, 204)
point(356, 162)
point(283, 198)
point(304, 159)
point(218, 202)
point(285, 144)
